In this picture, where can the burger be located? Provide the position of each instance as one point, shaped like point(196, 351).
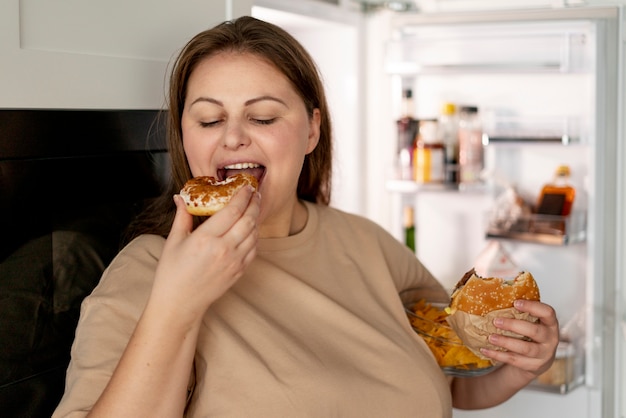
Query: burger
point(476, 301)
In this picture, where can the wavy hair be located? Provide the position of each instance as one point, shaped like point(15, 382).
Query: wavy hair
point(272, 43)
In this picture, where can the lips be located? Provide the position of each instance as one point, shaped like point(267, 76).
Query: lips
point(253, 169)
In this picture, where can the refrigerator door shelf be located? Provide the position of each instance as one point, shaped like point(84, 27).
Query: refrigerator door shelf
point(542, 229)
point(502, 128)
point(566, 373)
point(487, 48)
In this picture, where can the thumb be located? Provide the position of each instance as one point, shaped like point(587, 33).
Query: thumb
point(183, 221)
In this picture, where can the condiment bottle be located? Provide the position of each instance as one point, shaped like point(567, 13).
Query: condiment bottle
point(409, 227)
point(407, 130)
point(428, 154)
point(470, 146)
point(557, 197)
point(449, 136)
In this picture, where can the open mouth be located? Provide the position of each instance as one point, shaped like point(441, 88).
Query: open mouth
point(253, 169)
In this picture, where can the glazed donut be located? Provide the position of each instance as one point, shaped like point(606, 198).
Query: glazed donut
point(205, 195)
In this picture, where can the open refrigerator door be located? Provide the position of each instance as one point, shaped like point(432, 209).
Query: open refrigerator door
point(545, 83)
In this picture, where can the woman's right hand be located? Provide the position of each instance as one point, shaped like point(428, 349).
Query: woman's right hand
point(199, 266)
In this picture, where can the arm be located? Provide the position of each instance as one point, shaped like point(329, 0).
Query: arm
point(195, 269)
point(522, 362)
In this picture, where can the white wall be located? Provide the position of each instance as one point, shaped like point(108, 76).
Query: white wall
point(113, 54)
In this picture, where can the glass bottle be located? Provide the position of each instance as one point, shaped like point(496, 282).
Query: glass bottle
point(428, 154)
point(557, 197)
point(449, 137)
point(409, 227)
point(470, 146)
point(407, 130)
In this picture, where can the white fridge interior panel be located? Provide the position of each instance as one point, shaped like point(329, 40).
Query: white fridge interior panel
point(515, 46)
point(529, 95)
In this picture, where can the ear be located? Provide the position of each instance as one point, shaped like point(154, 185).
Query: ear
point(314, 131)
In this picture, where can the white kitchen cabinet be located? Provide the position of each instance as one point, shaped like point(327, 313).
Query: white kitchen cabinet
point(113, 54)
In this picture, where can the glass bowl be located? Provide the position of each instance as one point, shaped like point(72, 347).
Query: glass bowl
point(428, 319)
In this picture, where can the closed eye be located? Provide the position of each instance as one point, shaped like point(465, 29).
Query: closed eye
point(209, 124)
point(264, 121)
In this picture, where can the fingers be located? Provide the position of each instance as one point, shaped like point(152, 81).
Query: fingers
point(544, 330)
point(535, 353)
point(183, 221)
point(223, 221)
point(545, 313)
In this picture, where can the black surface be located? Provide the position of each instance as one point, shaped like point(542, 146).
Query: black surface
point(70, 181)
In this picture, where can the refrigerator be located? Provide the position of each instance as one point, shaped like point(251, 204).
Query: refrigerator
point(548, 82)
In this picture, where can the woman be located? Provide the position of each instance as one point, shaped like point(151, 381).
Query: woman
point(274, 306)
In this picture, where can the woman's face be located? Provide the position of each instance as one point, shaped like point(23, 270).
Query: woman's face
point(241, 113)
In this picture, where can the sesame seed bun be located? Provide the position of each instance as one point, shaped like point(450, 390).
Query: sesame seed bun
point(478, 295)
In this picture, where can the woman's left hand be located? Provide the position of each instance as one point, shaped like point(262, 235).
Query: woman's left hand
point(531, 357)
point(522, 360)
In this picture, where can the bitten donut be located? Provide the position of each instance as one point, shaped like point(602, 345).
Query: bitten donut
point(205, 195)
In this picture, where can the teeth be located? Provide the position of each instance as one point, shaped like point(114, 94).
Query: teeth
point(241, 166)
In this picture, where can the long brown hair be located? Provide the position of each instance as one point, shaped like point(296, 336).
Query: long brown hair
point(270, 42)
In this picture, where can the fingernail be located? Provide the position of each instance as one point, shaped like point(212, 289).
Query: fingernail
point(518, 304)
point(498, 322)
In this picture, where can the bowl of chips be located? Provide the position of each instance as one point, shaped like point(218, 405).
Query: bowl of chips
point(428, 319)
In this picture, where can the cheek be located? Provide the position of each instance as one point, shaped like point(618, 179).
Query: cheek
point(196, 150)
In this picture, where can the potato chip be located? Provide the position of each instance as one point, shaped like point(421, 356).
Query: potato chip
point(430, 322)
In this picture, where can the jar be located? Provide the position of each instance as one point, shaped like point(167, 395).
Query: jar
point(429, 154)
point(470, 146)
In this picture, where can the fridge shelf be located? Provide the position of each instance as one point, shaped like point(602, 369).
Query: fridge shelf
point(488, 48)
point(499, 129)
point(562, 388)
point(565, 374)
point(413, 187)
point(541, 229)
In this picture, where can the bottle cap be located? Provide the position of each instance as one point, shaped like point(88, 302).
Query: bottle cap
point(563, 170)
point(448, 109)
point(469, 109)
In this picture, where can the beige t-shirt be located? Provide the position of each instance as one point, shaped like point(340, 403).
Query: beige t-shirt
point(314, 328)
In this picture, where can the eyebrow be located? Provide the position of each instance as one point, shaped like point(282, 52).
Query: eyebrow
point(247, 103)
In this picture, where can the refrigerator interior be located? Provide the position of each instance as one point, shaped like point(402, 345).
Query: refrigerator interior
point(534, 76)
point(539, 85)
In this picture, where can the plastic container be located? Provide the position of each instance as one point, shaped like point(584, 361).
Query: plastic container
point(471, 153)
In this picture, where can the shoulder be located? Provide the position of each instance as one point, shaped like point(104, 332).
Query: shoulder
point(130, 275)
point(375, 245)
point(144, 246)
point(355, 224)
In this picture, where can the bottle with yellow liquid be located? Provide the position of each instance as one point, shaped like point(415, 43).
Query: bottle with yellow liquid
point(557, 197)
point(428, 154)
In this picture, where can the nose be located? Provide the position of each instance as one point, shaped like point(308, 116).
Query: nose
point(235, 136)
